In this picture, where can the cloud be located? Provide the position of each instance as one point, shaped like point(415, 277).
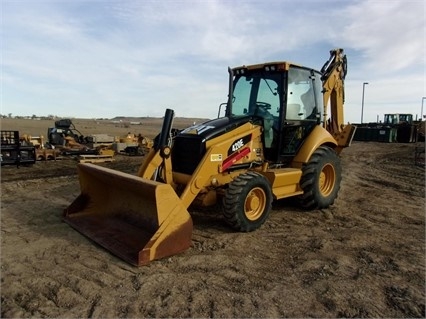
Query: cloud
point(138, 57)
point(390, 34)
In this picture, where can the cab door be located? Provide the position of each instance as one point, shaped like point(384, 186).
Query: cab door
point(303, 110)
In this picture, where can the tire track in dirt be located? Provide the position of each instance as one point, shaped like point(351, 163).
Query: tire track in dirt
point(362, 257)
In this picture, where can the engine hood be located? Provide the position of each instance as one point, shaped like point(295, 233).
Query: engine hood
point(213, 128)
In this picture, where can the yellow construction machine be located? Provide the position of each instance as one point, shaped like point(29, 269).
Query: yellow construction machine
point(276, 139)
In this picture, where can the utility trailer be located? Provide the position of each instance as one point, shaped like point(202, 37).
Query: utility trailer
point(13, 153)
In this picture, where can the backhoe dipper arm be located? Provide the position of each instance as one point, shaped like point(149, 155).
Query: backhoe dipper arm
point(334, 73)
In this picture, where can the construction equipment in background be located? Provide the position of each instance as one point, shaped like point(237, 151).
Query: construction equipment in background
point(71, 147)
point(275, 140)
point(99, 141)
point(95, 158)
point(13, 152)
point(406, 130)
point(64, 130)
point(396, 128)
point(133, 145)
point(48, 154)
point(65, 137)
point(44, 151)
point(36, 141)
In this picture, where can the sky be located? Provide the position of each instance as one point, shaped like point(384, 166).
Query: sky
point(101, 59)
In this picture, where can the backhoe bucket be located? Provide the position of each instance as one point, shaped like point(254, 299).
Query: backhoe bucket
point(138, 220)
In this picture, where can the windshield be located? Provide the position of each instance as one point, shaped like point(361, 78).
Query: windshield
point(398, 118)
point(256, 94)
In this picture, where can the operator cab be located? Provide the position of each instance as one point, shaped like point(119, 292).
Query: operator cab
point(285, 99)
point(395, 119)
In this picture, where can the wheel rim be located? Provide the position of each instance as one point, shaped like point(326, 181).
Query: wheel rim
point(255, 203)
point(327, 180)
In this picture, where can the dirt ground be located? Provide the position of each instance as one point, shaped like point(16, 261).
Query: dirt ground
point(362, 257)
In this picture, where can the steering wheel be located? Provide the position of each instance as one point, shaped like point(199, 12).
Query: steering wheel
point(263, 106)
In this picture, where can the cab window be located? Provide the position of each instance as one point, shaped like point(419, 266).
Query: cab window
point(302, 102)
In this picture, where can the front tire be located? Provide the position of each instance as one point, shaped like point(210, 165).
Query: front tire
point(247, 202)
point(321, 179)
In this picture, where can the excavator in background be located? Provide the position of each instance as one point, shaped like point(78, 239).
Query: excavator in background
point(280, 136)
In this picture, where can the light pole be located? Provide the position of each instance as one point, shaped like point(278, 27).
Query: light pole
point(362, 104)
point(421, 113)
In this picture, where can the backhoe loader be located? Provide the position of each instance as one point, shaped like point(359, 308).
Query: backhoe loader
point(276, 139)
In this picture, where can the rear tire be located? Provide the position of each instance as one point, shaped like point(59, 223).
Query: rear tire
point(321, 179)
point(247, 202)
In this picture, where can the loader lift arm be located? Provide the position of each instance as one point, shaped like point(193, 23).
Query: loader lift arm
point(157, 165)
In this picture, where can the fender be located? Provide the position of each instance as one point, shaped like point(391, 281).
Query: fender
point(319, 136)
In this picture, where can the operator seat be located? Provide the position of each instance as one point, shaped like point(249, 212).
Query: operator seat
point(309, 105)
point(268, 123)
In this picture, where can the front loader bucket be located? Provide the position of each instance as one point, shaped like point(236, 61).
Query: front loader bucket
point(138, 220)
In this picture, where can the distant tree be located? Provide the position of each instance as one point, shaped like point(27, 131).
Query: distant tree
point(9, 115)
point(33, 116)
